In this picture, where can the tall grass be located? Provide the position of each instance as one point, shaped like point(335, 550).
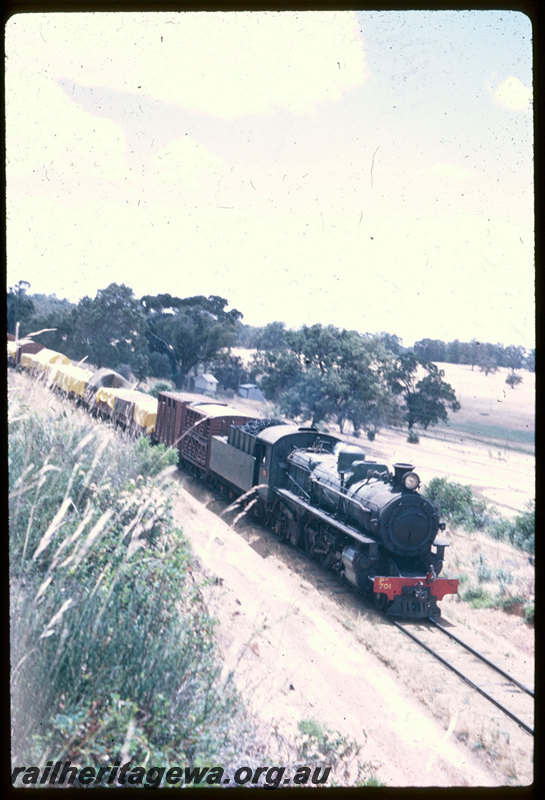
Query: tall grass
point(111, 647)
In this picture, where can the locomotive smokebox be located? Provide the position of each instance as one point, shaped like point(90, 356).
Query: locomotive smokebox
point(400, 470)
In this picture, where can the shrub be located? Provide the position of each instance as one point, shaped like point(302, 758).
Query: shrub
point(513, 380)
point(484, 573)
point(529, 613)
point(520, 531)
point(478, 597)
point(160, 386)
point(317, 744)
point(413, 437)
point(457, 503)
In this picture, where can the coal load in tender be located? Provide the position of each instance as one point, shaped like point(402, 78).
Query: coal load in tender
point(255, 426)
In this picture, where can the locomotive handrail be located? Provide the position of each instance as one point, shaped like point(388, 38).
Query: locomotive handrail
point(341, 526)
point(341, 494)
point(292, 479)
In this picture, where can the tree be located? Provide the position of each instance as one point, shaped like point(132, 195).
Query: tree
point(426, 399)
point(390, 341)
point(307, 398)
point(111, 330)
point(275, 371)
point(430, 350)
point(19, 306)
point(513, 379)
point(57, 315)
point(327, 373)
point(470, 353)
point(272, 337)
point(248, 336)
point(189, 331)
point(229, 370)
point(487, 358)
point(513, 357)
point(454, 350)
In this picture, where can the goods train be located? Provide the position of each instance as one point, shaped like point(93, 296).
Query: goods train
point(316, 491)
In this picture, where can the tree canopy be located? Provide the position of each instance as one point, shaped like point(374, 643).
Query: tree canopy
point(424, 394)
point(110, 330)
point(19, 305)
point(327, 373)
point(189, 331)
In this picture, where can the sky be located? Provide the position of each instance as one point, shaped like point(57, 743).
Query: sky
point(372, 170)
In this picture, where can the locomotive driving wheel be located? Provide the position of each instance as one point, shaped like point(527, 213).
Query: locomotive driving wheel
point(281, 526)
point(318, 547)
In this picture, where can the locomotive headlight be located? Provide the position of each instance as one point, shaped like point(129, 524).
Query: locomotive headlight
point(411, 481)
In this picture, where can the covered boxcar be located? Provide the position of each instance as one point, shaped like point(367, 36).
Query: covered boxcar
point(188, 423)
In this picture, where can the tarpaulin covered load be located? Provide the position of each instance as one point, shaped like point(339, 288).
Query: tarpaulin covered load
point(103, 378)
point(105, 399)
point(69, 378)
point(12, 352)
point(145, 414)
point(39, 361)
point(125, 400)
point(128, 407)
point(26, 346)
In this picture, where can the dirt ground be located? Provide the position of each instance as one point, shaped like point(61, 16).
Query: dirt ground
point(304, 647)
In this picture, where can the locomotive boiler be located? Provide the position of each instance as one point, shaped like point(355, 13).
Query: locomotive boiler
point(381, 535)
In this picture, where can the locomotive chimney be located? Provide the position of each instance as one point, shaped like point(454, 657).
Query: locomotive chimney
point(400, 470)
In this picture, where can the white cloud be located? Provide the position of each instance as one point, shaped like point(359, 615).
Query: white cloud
point(185, 159)
point(512, 94)
point(445, 170)
point(226, 64)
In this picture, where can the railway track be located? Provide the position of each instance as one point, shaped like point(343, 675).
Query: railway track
point(484, 676)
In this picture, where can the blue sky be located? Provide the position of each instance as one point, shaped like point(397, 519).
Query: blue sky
point(369, 170)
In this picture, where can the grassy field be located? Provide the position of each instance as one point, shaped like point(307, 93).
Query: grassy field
point(491, 410)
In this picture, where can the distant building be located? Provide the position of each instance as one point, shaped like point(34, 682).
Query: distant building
point(251, 391)
point(205, 383)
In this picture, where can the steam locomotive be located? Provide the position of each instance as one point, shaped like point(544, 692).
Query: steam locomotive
point(351, 514)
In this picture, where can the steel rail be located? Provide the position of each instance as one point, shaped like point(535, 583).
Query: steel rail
point(476, 653)
point(465, 678)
